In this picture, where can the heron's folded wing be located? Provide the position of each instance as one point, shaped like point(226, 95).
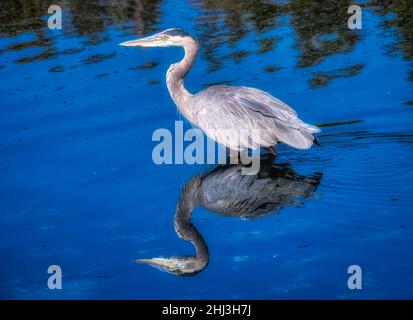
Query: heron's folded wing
point(266, 105)
point(242, 107)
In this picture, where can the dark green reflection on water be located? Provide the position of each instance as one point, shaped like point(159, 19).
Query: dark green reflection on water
point(81, 18)
point(320, 28)
point(398, 20)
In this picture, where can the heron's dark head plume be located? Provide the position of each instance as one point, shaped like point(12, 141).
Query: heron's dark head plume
point(175, 32)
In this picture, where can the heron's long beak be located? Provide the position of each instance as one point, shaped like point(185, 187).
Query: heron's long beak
point(151, 41)
point(169, 265)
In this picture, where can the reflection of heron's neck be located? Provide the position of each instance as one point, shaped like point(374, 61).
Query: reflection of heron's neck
point(183, 226)
point(175, 79)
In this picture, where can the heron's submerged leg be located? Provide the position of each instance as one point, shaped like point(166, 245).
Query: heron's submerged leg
point(271, 151)
point(233, 153)
point(233, 156)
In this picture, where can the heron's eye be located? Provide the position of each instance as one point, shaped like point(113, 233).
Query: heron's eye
point(164, 37)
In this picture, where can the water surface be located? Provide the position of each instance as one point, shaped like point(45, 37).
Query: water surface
point(79, 188)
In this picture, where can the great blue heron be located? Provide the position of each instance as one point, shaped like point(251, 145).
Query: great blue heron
point(228, 192)
point(239, 118)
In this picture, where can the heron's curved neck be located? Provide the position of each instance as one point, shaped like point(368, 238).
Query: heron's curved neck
point(175, 79)
point(183, 226)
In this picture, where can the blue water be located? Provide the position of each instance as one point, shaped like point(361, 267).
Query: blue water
point(79, 189)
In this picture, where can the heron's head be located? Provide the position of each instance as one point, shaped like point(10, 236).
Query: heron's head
point(166, 38)
point(180, 266)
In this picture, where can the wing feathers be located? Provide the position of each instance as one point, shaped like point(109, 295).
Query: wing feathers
point(238, 107)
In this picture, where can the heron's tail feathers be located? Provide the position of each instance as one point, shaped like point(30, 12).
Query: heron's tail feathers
point(316, 141)
point(301, 137)
point(311, 128)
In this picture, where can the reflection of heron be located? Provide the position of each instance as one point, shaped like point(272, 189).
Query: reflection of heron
point(226, 191)
point(236, 117)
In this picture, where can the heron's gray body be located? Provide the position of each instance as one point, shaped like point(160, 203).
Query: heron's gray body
point(240, 118)
point(237, 117)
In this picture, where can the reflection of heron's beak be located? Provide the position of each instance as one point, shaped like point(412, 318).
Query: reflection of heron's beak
point(169, 265)
point(151, 41)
